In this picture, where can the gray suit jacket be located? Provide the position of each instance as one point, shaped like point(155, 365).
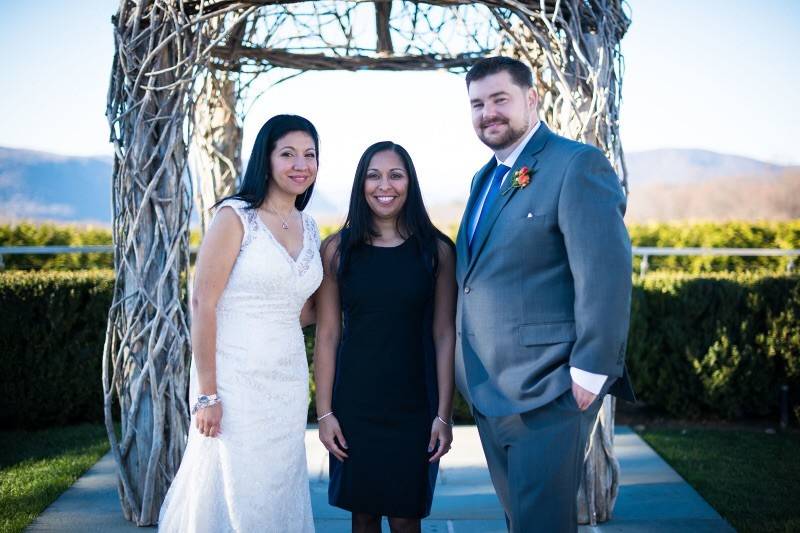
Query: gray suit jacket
point(546, 283)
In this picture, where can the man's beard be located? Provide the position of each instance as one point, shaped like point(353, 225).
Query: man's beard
point(510, 137)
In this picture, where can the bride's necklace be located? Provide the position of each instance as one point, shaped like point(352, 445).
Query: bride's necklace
point(284, 220)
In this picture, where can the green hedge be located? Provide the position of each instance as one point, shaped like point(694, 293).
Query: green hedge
point(718, 345)
point(27, 234)
point(783, 235)
point(52, 328)
point(713, 346)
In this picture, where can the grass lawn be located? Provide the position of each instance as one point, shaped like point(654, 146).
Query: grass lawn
point(750, 477)
point(37, 466)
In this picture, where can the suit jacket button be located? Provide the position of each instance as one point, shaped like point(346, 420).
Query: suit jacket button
point(466, 290)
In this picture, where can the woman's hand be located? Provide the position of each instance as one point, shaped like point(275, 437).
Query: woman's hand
point(208, 420)
point(332, 438)
point(442, 434)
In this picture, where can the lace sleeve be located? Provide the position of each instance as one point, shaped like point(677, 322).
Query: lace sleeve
point(314, 230)
point(246, 216)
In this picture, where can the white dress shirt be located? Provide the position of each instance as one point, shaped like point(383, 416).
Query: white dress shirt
point(587, 380)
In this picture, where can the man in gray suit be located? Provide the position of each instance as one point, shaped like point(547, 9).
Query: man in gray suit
point(544, 272)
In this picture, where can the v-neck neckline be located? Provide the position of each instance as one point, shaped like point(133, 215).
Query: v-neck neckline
point(283, 249)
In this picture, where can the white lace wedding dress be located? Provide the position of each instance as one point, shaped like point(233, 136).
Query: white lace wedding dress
point(253, 478)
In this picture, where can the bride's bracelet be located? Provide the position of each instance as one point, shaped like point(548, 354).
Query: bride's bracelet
point(206, 400)
point(329, 413)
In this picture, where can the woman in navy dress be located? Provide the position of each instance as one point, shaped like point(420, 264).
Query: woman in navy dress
point(385, 341)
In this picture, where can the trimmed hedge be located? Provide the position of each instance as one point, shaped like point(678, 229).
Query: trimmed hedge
point(52, 329)
point(783, 235)
point(719, 345)
point(48, 234)
point(28, 234)
point(712, 346)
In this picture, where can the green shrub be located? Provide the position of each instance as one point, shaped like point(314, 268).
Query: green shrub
point(783, 235)
point(27, 234)
point(718, 345)
point(52, 328)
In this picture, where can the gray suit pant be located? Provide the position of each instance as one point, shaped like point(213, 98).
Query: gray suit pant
point(535, 460)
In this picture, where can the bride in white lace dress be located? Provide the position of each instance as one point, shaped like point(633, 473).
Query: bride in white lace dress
point(244, 468)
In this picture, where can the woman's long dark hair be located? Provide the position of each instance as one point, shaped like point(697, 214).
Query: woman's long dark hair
point(413, 219)
point(256, 180)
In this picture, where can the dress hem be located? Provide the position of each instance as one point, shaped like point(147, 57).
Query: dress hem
point(381, 512)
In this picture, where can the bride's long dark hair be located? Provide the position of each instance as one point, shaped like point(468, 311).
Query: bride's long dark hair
point(256, 180)
point(413, 220)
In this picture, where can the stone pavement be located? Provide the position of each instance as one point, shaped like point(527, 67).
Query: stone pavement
point(652, 496)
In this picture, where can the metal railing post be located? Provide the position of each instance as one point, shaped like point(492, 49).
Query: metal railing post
point(644, 265)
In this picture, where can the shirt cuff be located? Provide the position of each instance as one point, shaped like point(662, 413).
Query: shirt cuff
point(588, 380)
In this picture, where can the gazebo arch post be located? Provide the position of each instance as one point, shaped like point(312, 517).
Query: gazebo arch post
point(158, 54)
point(216, 148)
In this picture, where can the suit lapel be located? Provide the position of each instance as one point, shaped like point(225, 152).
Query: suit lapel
point(462, 245)
point(526, 159)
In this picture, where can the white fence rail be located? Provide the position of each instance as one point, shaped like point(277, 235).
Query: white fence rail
point(644, 252)
point(53, 250)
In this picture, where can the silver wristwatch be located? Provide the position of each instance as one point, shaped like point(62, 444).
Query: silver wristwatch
point(205, 400)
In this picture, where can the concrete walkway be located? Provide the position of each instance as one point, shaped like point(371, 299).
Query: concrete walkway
point(652, 496)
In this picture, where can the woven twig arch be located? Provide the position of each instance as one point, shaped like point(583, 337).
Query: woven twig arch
point(180, 73)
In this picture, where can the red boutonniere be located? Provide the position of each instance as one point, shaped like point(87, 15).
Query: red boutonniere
point(522, 178)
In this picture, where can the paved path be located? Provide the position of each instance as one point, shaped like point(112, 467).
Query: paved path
point(652, 498)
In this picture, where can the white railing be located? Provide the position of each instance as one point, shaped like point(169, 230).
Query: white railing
point(644, 252)
point(52, 250)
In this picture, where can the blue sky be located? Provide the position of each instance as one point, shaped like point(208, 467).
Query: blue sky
point(721, 75)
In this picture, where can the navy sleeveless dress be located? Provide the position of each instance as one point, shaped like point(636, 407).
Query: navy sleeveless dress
point(385, 388)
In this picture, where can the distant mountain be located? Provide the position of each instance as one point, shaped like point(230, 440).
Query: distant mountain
point(665, 185)
point(681, 184)
point(673, 185)
point(39, 185)
point(723, 198)
point(43, 186)
point(671, 166)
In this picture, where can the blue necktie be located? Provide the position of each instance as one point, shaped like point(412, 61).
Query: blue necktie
point(491, 196)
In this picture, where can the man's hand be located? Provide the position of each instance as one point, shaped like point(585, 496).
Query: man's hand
point(583, 397)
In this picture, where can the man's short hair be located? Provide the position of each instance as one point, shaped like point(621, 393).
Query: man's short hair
point(519, 71)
